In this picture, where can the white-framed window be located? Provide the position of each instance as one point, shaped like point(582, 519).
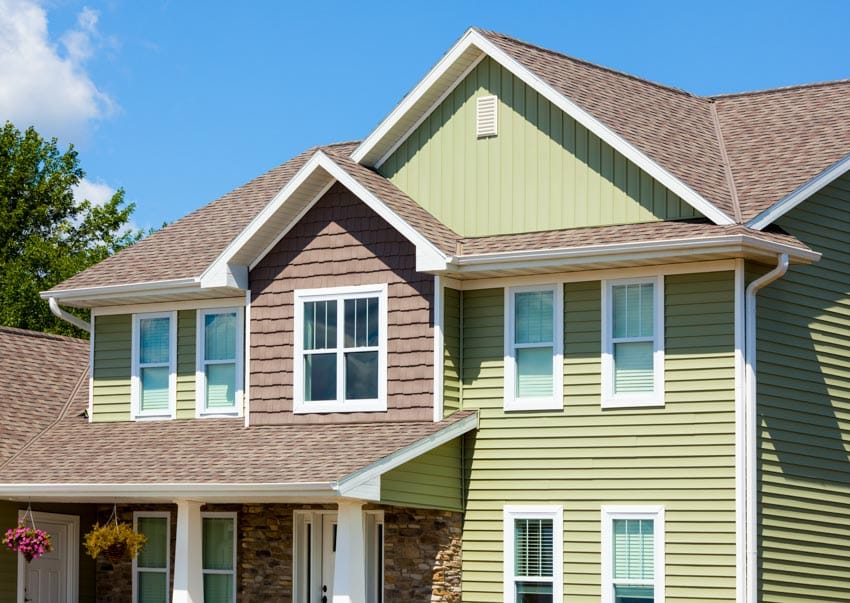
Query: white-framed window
point(152, 566)
point(220, 351)
point(341, 349)
point(153, 384)
point(633, 342)
point(534, 555)
point(534, 357)
point(219, 556)
point(633, 554)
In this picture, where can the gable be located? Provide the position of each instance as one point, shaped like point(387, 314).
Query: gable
point(566, 176)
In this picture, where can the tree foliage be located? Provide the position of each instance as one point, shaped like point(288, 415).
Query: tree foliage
point(45, 235)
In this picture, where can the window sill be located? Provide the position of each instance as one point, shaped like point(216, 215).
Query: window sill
point(519, 405)
point(152, 417)
point(633, 402)
point(306, 408)
point(218, 414)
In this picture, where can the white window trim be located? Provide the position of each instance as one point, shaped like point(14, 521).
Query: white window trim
point(232, 515)
point(299, 405)
point(556, 401)
point(201, 409)
point(609, 514)
point(556, 514)
point(135, 379)
point(631, 400)
point(163, 515)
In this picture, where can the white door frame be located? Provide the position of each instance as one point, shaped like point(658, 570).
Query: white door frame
point(71, 554)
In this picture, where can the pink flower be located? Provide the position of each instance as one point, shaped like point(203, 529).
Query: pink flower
point(32, 543)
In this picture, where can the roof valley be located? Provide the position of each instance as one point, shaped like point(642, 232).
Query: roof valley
point(727, 167)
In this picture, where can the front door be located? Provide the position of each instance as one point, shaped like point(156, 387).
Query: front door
point(48, 579)
point(328, 556)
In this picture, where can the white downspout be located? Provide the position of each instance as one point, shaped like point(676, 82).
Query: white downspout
point(67, 316)
point(751, 424)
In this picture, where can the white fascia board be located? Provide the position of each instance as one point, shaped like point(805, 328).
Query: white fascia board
point(473, 38)
point(803, 192)
point(174, 286)
point(408, 453)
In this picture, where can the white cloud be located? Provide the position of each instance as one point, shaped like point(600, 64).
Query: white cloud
point(45, 84)
point(97, 193)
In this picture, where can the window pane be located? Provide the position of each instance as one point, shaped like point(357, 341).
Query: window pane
point(154, 388)
point(155, 551)
point(320, 325)
point(361, 375)
point(220, 336)
point(634, 594)
point(634, 554)
point(633, 367)
point(319, 377)
point(533, 317)
point(218, 543)
point(218, 588)
point(533, 592)
point(534, 372)
point(221, 385)
point(533, 547)
point(361, 322)
point(152, 587)
point(633, 310)
point(153, 340)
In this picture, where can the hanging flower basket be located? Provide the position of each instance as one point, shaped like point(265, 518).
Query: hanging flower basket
point(115, 539)
point(31, 542)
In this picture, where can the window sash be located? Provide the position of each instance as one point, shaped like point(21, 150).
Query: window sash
point(157, 399)
point(219, 380)
point(632, 552)
point(544, 532)
point(208, 550)
point(139, 587)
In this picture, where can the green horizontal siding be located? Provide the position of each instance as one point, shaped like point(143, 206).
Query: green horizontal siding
point(111, 379)
point(451, 351)
point(433, 480)
point(186, 330)
point(680, 456)
point(804, 406)
point(543, 171)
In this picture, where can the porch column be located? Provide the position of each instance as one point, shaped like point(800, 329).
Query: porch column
point(188, 571)
point(350, 558)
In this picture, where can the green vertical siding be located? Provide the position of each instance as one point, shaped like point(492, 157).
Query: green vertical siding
point(451, 353)
point(433, 480)
point(186, 329)
point(543, 171)
point(804, 405)
point(680, 456)
point(111, 389)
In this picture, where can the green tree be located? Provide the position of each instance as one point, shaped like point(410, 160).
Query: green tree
point(45, 235)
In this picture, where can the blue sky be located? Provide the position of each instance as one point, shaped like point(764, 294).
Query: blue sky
point(179, 102)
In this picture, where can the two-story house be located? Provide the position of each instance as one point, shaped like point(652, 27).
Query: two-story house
point(551, 332)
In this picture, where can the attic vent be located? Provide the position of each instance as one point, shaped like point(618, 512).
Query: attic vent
point(485, 119)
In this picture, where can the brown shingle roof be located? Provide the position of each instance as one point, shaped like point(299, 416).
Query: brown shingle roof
point(38, 375)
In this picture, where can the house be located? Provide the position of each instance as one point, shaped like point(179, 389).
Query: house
point(551, 332)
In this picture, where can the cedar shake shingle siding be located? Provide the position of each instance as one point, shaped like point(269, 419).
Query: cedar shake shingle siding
point(341, 242)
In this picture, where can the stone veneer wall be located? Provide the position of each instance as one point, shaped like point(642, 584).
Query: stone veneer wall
point(422, 551)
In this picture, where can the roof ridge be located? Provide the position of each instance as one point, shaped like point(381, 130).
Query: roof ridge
point(597, 66)
point(780, 89)
point(41, 334)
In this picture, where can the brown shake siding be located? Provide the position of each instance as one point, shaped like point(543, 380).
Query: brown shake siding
point(341, 242)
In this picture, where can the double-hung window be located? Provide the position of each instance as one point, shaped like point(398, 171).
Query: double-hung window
point(153, 359)
point(633, 342)
point(534, 348)
point(219, 557)
point(533, 544)
point(219, 372)
point(151, 566)
point(341, 349)
point(633, 554)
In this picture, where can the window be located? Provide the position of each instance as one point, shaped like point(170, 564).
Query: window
point(633, 343)
point(219, 557)
point(341, 349)
point(632, 554)
point(533, 562)
point(534, 348)
point(219, 372)
point(153, 382)
point(151, 567)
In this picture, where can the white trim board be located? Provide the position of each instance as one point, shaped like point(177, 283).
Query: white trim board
point(473, 38)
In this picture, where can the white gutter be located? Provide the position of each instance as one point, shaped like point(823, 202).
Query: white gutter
point(751, 426)
point(67, 316)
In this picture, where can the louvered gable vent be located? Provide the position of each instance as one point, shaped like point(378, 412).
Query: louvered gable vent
point(486, 122)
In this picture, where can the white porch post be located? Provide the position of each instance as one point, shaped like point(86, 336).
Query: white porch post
point(188, 571)
point(350, 558)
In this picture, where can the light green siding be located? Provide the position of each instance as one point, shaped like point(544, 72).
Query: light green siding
point(451, 354)
point(804, 403)
point(433, 480)
point(680, 456)
point(111, 381)
point(543, 171)
point(186, 329)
